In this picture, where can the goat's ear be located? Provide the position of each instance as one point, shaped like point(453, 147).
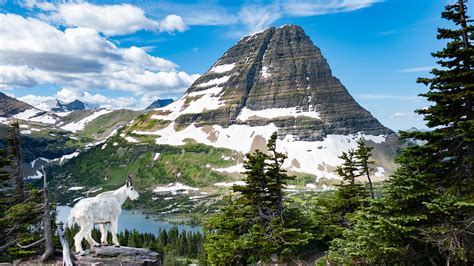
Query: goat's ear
point(129, 181)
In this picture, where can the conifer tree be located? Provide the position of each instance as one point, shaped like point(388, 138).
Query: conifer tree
point(257, 224)
point(362, 156)
point(428, 209)
point(277, 176)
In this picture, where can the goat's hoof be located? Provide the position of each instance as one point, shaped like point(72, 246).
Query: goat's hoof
point(117, 246)
point(80, 253)
point(97, 245)
point(105, 244)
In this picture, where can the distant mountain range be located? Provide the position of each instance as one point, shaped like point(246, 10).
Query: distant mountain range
point(75, 105)
point(160, 103)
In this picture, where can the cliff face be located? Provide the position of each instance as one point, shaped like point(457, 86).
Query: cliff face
point(280, 68)
point(275, 80)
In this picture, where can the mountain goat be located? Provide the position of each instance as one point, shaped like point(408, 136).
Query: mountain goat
point(101, 209)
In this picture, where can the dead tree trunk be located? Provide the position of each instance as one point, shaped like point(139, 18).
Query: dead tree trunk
point(15, 149)
point(66, 251)
point(49, 246)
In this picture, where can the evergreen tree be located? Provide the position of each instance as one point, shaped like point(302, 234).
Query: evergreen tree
point(428, 209)
point(20, 205)
point(278, 179)
point(362, 156)
point(256, 224)
point(350, 193)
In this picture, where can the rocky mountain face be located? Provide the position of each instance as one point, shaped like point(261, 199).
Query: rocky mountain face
point(280, 68)
point(10, 106)
point(275, 80)
point(75, 105)
point(160, 103)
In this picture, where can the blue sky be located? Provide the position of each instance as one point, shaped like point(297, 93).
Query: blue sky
point(120, 54)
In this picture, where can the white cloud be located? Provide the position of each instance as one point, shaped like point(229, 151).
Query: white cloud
point(114, 19)
point(320, 7)
point(416, 69)
point(43, 5)
point(172, 23)
point(254, 16)
point(109, 19)
point(32, 53)
point(404, 115)
point(204, 13)
point(385, 97)
point(259, 17)
point(41, 102)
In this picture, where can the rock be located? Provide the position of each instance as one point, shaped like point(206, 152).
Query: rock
point(10, 106)
point(281, 68)
point(110, 255)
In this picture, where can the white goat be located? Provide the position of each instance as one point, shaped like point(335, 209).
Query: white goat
point(102, 209)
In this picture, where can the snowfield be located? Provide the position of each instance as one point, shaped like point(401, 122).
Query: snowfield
point(80, 125)
point(175, 188)
point(223, 68)
point(316, 157)
point(215, 81)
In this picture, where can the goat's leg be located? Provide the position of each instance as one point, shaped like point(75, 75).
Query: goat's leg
point(78, 239)
point(113, 231)
point(91, 240)
point(103, 234)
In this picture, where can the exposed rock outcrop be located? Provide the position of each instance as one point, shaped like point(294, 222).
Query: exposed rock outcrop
point(280, 68)
point(110, 255)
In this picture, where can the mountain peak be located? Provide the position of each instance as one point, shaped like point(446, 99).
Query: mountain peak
point(278, 69)
point(160, 103)
point(75, 105)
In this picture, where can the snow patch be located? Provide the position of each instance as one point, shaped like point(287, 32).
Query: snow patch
point(222, 68)
point(131, 139)
point(80, 125)
point(25, 115)
point(157, 155)
point(38, 175)
point(265, 73)
point(230, 184)
point(67, 157)
point(380, 172)
point(75, 188)
point(25, 132)
point(175, 188)
point(239, 168)
point(215, 81)
point(272, 113)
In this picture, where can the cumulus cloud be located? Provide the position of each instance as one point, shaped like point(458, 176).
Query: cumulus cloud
point(172, 23)
point(114, 19)
point(33, 52)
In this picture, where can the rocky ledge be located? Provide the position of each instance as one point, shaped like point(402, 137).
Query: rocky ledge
point(110, 255)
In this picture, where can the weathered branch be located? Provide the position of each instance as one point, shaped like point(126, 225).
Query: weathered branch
point(30, 245)
point(49, 246)
point(7, 245)
point(66, 251)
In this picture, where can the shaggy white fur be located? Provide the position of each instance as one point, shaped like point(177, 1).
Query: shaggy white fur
point(102, 209)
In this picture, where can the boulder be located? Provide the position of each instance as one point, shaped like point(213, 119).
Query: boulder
point(110, 255)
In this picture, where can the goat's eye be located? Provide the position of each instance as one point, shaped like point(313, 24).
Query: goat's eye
point(132, 188)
